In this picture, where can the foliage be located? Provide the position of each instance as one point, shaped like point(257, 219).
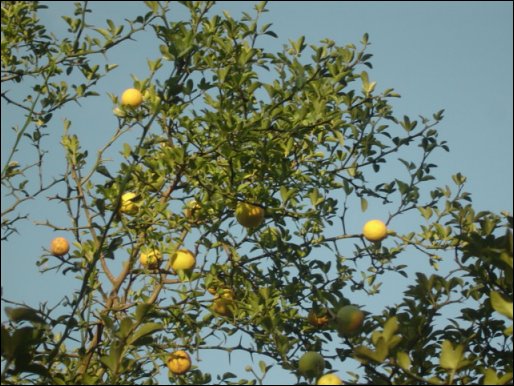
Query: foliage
point(304, 146)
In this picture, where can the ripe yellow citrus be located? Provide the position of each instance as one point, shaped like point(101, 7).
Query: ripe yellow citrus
point(329, 379)
point(183, 260)
point(131, 97)
point(311, 364)
point(248, 215)
point(319, 318)
point(179, 362)
point(59, 246)
point(151, 258)
point(128, 205)
point(374, 230)
point(224, 304)
point(349, 320)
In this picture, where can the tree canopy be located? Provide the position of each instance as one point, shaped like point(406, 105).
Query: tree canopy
point(225, 226)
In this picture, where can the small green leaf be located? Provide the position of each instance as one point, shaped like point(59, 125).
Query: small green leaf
point(459, 179)
point(364, 204)
point(262, 366)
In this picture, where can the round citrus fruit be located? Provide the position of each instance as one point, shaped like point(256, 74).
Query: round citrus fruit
point(311, 364)
point(374, 230)
point(131, 97)
point(329, 379)
point(183, 260)
point(318, 318)
point(151, 259)
point(128, 205)
point(349, 320)
point(179, 362)
point(59, 246)
point(248, 215)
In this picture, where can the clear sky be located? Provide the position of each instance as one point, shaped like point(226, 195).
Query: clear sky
point(455, 56)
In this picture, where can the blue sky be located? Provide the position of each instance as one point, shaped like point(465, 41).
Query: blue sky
point(438, 55)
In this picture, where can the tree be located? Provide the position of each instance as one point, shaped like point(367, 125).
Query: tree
point(211, 134)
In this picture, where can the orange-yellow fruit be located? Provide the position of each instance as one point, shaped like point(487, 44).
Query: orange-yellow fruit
point(131, 97)
point(311, 364)
point(329, 379)
point(151, 259)
point(248, 215)
point(318, 319)
point(128, 205)
point(183, 260)
point(349, 320)
point(374, 230)
point(179, 362)
point(59, 246)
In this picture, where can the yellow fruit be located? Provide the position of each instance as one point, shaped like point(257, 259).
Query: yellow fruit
point(128, 205)
point(318, 319)
point(248, 215)
point(374, 230)
point(151, 259)
point(223, 303)
point(179, 362)
point(183, 260)
point(59, 246)
point(330, 379)
point(349, 320)
point(311, 364)
point(131, 97)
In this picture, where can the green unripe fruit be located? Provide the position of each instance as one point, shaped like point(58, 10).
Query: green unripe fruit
point(311, 365)
point(349, 320)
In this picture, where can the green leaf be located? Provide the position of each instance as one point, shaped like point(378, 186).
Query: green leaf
point(426, 212)
point(490, 378)
point(379, 355)
point(459, 179)
point(390, 327)
point(20, 314)
point(141, 310)
point(144, 330)
point(365, 39)
point(365, 80)
point(125, 327)
point(262, 366)
point(403, 360)
point(109, 361)
point(451, 358)
point(364, 204)
point(501, 305)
